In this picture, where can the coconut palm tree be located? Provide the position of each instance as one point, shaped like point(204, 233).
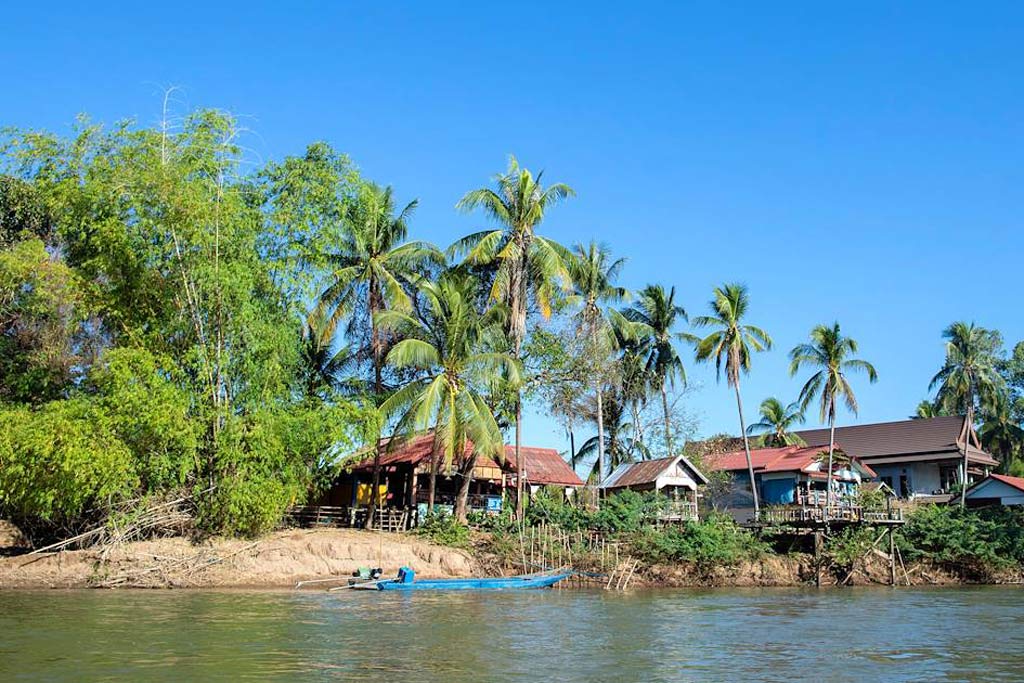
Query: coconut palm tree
point(622, 444)
point(451, 346)
point(830, 352)
point(776, 424)
point(593, 275)
point(659, 312)
point(731, 344)
point(969, 378)
point(1004, 438)
point(369, 273)
point(526, 265)
point(321, 368)
point(927, 409)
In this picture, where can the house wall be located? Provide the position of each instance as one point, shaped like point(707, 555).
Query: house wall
point(922, 477)
point(996, 492)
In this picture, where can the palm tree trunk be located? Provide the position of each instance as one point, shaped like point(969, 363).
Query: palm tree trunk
point(967, 437)
point(376, 347)
point(600, 438)
point(746, 449)
point(520, 470)
point(432, 486)
point(463, 498)
point(831, 450)
point(668, 421)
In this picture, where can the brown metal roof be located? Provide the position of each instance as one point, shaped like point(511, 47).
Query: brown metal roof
point(647, 472)
point(542, 465)
point(905, 437)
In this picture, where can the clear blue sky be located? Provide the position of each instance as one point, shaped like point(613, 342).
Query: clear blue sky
point(861, 163)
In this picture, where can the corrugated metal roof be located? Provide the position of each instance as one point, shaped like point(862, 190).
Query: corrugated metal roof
point(647, 472)
point(1015, 482)
point(543, 465)
point(787, 459)
point(904, 437)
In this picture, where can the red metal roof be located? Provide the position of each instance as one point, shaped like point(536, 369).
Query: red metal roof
point(787, 459)
point(1015, 482)
point(542, 465)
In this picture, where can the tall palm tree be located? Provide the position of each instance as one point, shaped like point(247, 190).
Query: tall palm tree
point(451, 347)
point(367, 277)
point(969, 378)
point(927, 409)
point(659, 312)
point(593, 275)
point(776, 424)
point(1001, 436)
point(526, 264)
point(731, 344)
point(622, 445)
point(830, 352)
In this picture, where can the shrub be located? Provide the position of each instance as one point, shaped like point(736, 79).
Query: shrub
point(965, 540)
point(62, 461)
point(443, 529)
point(716, 540)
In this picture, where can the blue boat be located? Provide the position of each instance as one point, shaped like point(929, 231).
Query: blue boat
point(406, 581)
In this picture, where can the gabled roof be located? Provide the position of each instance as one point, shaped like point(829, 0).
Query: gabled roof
point(542, 465)
point(939, 435)
point(805, 459)
point(1014, 482)
point(648, 472)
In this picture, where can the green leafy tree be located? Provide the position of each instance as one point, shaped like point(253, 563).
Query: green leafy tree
point(527, 266)
point(830, 353)
point(657, 310)
point(731, 344)
point(452, 347)
point(777, 422)
point(969, 380)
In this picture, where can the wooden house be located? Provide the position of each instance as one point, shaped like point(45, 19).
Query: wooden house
point(675, 477)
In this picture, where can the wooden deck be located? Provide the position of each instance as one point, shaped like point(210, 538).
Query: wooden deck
point(387, 519)
point(817, 515)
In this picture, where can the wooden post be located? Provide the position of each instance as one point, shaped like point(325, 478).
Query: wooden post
point(892, 557)
point(817, 558)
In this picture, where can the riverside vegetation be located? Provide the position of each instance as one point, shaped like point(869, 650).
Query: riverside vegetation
point(185, 329)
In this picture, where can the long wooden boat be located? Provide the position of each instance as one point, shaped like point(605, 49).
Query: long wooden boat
point(406, 581)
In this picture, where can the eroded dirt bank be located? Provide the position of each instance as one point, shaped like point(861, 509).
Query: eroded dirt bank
point(279, 559)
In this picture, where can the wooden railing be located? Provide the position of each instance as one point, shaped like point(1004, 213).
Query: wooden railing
point(820, 514)
point(679, 511)
point(387, 519)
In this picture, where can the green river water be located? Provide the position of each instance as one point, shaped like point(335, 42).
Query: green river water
point(878, 634)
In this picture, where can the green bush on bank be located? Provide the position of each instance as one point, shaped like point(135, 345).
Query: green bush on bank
point(965, 540)
point(443, 529)
point(714, 540)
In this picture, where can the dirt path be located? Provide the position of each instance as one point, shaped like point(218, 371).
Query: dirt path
point(279, 559)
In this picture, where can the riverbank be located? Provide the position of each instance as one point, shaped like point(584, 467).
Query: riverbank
point(278, 559)
point(283, 558)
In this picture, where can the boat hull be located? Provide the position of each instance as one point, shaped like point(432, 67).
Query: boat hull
point(510, 583)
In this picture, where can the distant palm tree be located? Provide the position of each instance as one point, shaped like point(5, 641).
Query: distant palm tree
point(321, 367)
point(776, 424)
point(732, 344)
point(622, 445)
point(659, 312)
point(527, 265)
point(829, 352)
point(452, 348)
point(1001, 436)
point(367, 277)
point(969, 378)
point(927, 409)
point(593, 275)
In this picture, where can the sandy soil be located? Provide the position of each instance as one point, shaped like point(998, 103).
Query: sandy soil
point(280, 559)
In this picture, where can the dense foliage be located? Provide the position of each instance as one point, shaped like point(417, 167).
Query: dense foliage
point(969, 541)
point(152, 296)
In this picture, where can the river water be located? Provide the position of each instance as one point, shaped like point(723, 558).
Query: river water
point(875, 634)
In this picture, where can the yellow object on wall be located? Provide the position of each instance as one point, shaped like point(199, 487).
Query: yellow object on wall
point(363, 494)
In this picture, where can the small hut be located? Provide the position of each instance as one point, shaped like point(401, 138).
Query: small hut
point(676, 477)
